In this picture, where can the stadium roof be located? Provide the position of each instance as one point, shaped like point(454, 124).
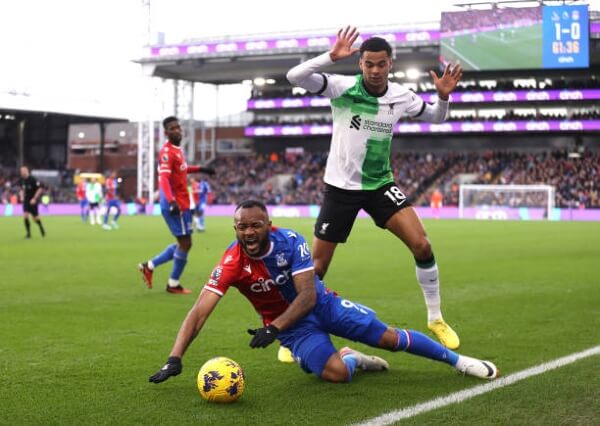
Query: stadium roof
point(210, 61)
point(270, 56)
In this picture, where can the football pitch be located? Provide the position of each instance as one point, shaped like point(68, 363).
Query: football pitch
point(80, 333)
point(519, 48)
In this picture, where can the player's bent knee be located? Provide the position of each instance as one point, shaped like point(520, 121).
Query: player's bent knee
point(335, 370)
point(335, 376)
point(389, 340)
point(421, 249)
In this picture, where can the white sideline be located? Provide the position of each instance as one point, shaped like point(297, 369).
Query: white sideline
point(454, 398)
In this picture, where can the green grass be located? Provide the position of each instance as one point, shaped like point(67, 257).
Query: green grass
point(80, 333)
point(491, 51)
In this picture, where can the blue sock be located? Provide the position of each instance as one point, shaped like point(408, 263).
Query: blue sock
point(179, 261)
point(417, 343)
point(117, 214)
point(106, 217)
point(201, 221)
point(165, 256)
point(350, 361)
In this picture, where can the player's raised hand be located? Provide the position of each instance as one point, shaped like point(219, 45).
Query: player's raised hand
point(264, 336)
point(171, 368)
point(343, 44)
point(448, 81)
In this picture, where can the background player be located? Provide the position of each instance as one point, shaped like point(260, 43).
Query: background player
point(273, 269)
point(174, 206)
point(200, 191)
point(93, 193)
point(358, 175)
point(83, 202)
point(111, 186)
point(30, 193)
point(437, 200)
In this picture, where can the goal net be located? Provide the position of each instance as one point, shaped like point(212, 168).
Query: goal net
point(503, 202)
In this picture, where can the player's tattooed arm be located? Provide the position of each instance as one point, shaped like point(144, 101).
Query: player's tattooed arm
point(305, 300)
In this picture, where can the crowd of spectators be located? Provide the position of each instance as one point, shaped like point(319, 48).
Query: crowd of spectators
point(496, 17)
point(296, 179)
point(463, 86)
point(62, 192)
point(418, 174)
point(587, 114)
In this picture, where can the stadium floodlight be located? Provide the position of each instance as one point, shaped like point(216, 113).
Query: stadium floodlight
point(259, 81)
point(506, 201)
point(270, 81)
point(399, 74)
point(413, 73)
point(81, 135)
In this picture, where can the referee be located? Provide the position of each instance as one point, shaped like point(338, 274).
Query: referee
point(31, 191)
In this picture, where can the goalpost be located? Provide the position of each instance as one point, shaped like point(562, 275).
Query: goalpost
point(499, 201)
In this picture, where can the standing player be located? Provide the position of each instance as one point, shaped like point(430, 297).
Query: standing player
point(30, 192)
point(273, 269)
point(83, 202)
point(111, 186)
point(93, 193)
point(437, 199)
point(200, 190)
point(174, 206)
point(358, 175)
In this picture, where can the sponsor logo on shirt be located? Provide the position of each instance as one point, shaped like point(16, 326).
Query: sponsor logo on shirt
point(355, 122)
point(263, 285)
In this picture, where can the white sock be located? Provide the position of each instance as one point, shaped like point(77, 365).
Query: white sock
point(430, 285)
point(172, 282)
point(150, 265)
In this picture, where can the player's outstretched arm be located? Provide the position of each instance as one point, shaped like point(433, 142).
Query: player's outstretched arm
point(448, 81)
point(188, 331)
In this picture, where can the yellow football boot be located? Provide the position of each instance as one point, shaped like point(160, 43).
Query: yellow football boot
point(285, 355)
point(444, 333)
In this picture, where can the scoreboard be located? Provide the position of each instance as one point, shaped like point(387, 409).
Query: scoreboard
point(565, 37)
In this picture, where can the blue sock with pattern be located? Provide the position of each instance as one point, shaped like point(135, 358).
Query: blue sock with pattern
point(350, 361)
point(417, 343)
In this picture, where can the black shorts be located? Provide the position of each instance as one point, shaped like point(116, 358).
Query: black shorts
point(340, 207)
point(32, 209)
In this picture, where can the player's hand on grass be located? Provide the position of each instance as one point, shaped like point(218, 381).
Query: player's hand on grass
point(174, 208)
point(343, 44)
point(264, 336)
point(207, 170)
point(171, 368)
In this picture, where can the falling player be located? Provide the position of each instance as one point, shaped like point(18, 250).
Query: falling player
point(273, 269)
